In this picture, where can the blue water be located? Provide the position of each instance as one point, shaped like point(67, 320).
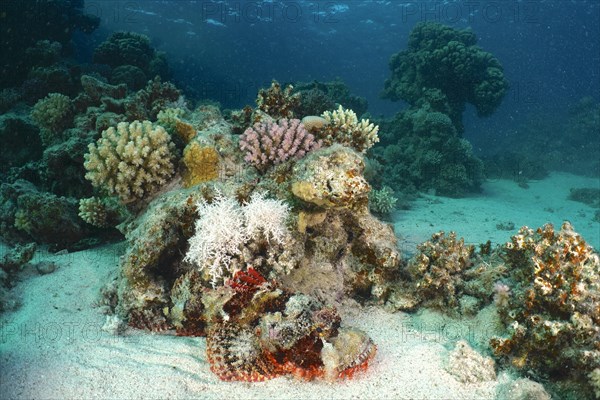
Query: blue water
point(226, 50)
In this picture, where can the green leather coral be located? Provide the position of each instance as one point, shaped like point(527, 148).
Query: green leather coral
point(131, 161)
point(382, 201)
point(52, 114)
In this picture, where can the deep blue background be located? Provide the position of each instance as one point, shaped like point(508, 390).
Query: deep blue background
point(226, 50)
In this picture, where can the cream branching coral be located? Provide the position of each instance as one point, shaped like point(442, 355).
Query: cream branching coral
point(101, 212)
point(343, 127)
point(131, 161)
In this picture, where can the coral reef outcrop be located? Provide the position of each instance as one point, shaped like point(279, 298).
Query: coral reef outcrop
point(228, 255)
point(553, 309)
point(18, 149)
point(278, 102)
point(331, 177)
point(317, 97)
point(10, 265)
point(26, 24)
point(329, 242)
point(32, 215)
point(448, 275)
point(468, 366)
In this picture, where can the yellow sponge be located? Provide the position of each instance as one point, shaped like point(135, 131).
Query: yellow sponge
point(201, 164)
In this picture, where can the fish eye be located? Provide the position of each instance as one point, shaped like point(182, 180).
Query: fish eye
point(319, 330)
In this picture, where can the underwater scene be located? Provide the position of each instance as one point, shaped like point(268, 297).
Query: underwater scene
point(234, 199)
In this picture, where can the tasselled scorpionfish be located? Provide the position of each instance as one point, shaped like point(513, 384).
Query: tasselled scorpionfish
point(262, 331)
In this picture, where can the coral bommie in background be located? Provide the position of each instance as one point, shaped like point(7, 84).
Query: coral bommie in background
point(446, 64)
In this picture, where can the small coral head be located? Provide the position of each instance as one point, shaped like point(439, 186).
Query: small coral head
point(271, 143)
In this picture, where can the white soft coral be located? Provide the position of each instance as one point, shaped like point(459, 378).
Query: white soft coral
point(223, 227)
point(219, 234)
point(266, 216)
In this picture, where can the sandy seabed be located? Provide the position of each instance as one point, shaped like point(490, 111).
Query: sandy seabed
point(53, 345)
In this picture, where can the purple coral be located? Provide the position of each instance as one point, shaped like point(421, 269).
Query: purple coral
point(271, 143)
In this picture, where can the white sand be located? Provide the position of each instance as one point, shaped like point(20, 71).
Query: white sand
point(53, 346)
point(501, 201)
